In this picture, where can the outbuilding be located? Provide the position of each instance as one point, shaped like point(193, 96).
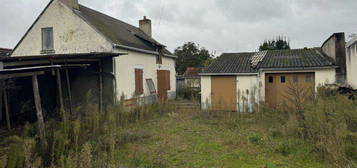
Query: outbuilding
point(239, 81)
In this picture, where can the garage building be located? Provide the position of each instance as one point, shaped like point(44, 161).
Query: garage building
point(239, 81)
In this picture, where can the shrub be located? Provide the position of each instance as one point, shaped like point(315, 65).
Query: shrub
point(255, 139)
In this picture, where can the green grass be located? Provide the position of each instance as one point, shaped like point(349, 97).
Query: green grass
point(187, 140)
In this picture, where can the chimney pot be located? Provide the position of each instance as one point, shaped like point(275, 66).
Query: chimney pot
point(145, 26)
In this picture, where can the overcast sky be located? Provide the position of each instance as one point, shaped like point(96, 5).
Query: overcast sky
point(218, 25)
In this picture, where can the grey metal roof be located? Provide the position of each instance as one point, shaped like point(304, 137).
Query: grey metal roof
point(273, 59)
point(118, 31)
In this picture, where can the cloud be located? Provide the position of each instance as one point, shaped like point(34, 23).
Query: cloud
point(219, 25)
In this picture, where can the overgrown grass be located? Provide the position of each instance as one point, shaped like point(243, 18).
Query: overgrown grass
point(320, 133)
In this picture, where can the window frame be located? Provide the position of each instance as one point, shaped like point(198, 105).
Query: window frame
point(47, 31)
point(282, 79)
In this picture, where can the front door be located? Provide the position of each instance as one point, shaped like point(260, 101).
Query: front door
point(224, 93)
point(163, 84)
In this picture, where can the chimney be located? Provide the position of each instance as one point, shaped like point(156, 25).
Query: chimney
point(335, 47)
point(73, 4)
point(145, 26)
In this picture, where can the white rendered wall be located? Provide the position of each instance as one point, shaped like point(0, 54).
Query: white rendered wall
point(247, 92)
point(125, 72)
point(351, 61)
point(205, 92)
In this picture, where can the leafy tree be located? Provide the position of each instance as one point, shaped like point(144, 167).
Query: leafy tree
point(191, 55)
point(279, 43)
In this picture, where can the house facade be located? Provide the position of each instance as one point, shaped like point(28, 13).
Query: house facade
point(67, 27)
point(241, 81)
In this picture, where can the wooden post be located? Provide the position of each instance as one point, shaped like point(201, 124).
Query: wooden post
point(100, 87)
point(7, 110)
point(69, 91)
point(59, 87)
point(40, 121)
point(1, 98)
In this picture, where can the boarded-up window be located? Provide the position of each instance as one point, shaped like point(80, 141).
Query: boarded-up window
point(139, 86)
point(47, 38)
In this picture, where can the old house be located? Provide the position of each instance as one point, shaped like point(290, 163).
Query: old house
point(238, 81)
point(67, 27)
point(75, 58)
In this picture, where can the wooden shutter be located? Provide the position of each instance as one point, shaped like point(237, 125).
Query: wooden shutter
point(139, 84)
point(168, 80)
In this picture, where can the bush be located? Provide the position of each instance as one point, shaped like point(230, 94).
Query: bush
point(255, 139)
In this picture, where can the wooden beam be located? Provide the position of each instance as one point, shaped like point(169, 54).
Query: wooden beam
point(100, 87)
point(69, 91)
point(18, 75)
point(46, 62)
point(59, 87)
point(7, 110)
point(40, 120)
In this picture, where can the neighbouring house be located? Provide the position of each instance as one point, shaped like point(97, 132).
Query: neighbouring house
point(239, 81)
point(67, 27)
point(351, 62)
point(4, 52)
point(192, 78)
point(335, 47)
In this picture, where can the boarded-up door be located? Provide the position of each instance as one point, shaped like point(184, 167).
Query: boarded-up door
point(163, 84)
point(223, 90)
point(288, 88)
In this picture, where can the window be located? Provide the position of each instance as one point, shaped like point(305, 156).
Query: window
point(47, 38)
point(159, 56)
point(139, 88)
point(309, 78)
point(271, 79)
point(282, 79)
point(295, 79)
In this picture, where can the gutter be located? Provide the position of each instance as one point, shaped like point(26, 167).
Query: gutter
point(298, 68)
point(267, 69)
point(228, 74)
point(141, 50)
